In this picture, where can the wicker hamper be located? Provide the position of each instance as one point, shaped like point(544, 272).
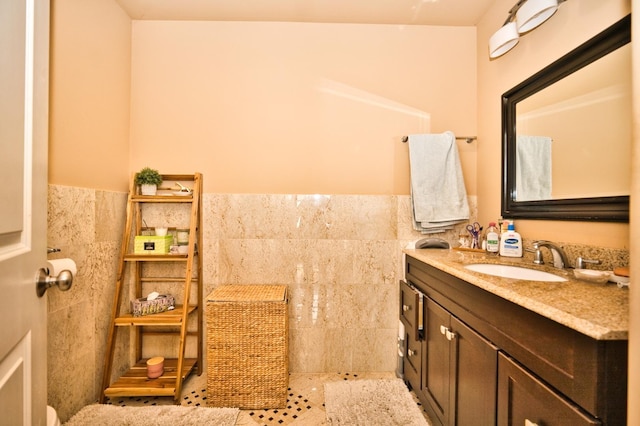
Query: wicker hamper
point(247, 346)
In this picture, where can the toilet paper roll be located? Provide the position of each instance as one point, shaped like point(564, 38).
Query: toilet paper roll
point(58, 265)
point(401, 331)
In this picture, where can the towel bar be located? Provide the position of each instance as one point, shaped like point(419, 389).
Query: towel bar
point(469, 139)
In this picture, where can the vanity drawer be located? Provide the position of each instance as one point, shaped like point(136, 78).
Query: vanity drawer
point(410, 308)
point(413, 363)
point(523, 399)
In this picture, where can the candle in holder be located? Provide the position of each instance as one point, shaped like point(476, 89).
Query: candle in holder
point(155, 367)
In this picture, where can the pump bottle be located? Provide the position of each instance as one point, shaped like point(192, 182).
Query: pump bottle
point(511, 242)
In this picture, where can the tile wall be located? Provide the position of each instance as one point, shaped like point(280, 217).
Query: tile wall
point(85, 225)
point(339, 255)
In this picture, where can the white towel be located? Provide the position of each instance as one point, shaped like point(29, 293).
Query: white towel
point(533, 168)
point(438, 193)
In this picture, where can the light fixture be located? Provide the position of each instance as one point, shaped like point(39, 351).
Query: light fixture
point(533, 13)
point(523, 17)
point(503, 40)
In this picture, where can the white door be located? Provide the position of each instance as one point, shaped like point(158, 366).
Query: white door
point(24, 77)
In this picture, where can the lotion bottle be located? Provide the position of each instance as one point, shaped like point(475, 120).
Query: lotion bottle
point(492, 239)
point(511, 243)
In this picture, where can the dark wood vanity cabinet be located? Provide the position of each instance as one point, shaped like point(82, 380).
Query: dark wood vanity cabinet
point(479, 359)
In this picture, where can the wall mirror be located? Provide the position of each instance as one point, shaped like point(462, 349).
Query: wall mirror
point(566, 135)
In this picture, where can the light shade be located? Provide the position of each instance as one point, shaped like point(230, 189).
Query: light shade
point(503, 40)
point(533, 13)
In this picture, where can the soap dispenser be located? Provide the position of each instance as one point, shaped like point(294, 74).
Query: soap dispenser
point(511, 242)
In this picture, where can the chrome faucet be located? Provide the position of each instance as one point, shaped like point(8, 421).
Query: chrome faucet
point(559, 256)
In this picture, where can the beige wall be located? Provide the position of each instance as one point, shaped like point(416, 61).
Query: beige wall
point(297, 108)
point(88, 151)
point(90, 79)
point(293, 108)
point(573, 24)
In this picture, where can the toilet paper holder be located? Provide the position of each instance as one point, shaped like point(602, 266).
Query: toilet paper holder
point(44, 281)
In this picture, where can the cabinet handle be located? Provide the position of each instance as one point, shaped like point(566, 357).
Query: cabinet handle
point(405, 308)
point(450, 335)
point(528, 422)
point(410, 352)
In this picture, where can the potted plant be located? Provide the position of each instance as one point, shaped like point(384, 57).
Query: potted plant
point(148, 179)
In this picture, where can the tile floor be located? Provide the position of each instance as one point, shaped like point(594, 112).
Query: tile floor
point(305, 403)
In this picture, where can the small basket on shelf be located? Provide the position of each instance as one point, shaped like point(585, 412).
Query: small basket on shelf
point(143, 306)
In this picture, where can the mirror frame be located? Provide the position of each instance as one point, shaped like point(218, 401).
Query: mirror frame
point(604, 209)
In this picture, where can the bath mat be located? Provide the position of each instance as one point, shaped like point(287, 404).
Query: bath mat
point(158, 415)
point(371, 402)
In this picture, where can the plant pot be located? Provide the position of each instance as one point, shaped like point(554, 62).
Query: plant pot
point(147, 189)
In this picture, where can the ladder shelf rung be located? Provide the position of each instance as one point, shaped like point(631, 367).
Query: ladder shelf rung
point(136, 383)
point(167, 318)
point(166, 279)
point(178, 177)
point(157, 257)
point(166, 333)
point(162, 198)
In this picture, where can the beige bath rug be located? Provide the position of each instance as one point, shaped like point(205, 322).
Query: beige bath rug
point(157, 415)
point(371, 402)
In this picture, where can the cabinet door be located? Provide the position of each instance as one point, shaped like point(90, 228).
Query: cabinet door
point(438, 367)
point(410, 307)
point(476, 377)
point(525, 400)
point(461, 369)
point(413, 363)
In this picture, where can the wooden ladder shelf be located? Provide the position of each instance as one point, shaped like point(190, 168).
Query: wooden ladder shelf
point(132, 271)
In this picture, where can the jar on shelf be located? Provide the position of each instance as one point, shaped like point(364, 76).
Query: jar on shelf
point(182, 237)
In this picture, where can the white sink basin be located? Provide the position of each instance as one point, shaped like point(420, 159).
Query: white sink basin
point(517, 272)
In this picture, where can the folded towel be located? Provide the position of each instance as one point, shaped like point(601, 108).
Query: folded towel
point(438, 193)
point(533, 168)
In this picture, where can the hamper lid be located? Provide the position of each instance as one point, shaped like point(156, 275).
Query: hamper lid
point(248, 292)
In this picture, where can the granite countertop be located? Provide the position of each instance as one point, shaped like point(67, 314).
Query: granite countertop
point(600, 311)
